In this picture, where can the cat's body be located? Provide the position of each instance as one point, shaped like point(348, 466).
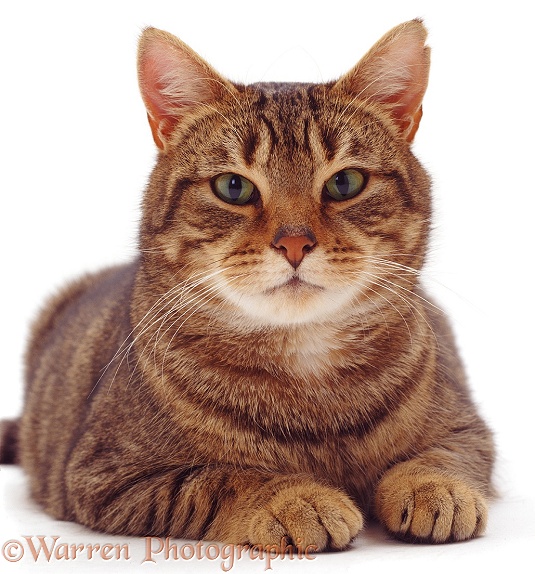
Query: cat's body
point(268, 367)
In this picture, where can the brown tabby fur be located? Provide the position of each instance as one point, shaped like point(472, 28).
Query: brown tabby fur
point(213, 390)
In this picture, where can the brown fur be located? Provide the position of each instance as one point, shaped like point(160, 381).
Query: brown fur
point(218, 388)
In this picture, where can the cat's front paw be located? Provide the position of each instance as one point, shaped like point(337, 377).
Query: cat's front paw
point(430, 508)
point(305, 514)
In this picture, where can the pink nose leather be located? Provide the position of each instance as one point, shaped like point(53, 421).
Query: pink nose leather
point(294, 248)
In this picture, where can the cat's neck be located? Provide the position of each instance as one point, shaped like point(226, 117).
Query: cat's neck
point(314, 350)
point(219, 333)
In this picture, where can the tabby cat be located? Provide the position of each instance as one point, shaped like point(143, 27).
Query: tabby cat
point(268, 369)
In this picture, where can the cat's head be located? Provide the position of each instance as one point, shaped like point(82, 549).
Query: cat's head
point(286, 203)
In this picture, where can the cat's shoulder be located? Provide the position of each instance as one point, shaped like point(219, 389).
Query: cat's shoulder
point(112, 283)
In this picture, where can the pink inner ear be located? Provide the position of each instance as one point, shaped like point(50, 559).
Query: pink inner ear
point(159, 73)
point(153, 71)
point(394, 72)
point(171, 79)
point(402, 81)
point(410, 72)
point(152, 90)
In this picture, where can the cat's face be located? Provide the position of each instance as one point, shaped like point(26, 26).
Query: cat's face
point(285, 204)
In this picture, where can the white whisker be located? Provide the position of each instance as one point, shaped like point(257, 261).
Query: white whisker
point(392, 288)
point(217, 289)
point(151, 318)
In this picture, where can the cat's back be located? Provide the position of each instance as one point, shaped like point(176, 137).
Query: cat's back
point(76, 309)
point(72, 340)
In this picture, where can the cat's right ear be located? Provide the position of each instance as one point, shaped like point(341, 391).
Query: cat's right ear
point(173, 80)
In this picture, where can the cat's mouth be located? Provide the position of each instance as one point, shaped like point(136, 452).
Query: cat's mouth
point(296, 282)
point(296, 285)
point(293, 299)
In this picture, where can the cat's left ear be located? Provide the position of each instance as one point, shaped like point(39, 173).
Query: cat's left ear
point(394, 73)
point(174, 80)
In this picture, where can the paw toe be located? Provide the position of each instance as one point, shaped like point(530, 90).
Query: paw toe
point(307, 515)
point(430, 508)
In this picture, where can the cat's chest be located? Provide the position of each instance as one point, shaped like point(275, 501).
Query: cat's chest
point(312, 353)
point(294, 383)
point(309, 355)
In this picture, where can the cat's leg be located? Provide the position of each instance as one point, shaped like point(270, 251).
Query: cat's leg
point(216, 503)
point(432, 499)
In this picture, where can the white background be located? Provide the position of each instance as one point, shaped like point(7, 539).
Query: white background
point(76, 152)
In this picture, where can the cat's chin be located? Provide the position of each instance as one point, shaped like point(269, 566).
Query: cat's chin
point(294, 302)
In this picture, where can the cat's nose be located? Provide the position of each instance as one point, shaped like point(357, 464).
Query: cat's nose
point(294, 245)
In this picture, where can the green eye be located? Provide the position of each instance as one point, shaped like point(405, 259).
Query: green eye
point(345, 184)
point(233, 188)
